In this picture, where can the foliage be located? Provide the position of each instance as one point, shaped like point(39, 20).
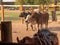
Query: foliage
point(34, 2)
point(19, 2)
point(58, 0)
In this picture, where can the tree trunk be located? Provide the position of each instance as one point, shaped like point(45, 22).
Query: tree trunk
point(54, 18)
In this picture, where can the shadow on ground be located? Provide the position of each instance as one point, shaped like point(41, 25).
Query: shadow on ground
point(54, 28)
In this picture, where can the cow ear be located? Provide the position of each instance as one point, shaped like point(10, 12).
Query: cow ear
point(18, 39)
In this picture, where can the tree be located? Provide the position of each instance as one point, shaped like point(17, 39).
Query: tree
point(39, 2)
point(19, 2)
point(36, 2)
point(49, 2)
point(54, 17)
point(29, 2)
point(44, 2)
point(58, 0)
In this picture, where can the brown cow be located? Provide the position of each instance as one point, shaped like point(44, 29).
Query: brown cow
point(39, 18)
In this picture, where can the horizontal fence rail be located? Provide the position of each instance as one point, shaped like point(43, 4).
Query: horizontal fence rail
point(31, 5)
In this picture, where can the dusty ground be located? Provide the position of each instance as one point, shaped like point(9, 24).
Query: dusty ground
point(19, 30)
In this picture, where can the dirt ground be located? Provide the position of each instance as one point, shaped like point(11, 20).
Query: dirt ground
point(19, 30)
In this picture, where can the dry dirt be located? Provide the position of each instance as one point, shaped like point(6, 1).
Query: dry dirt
point(19, 29)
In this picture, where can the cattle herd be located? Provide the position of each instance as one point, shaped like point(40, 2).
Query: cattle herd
point(35, 17)
point(43, 36)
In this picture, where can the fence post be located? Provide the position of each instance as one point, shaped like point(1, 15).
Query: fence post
point(2, 12)
point(6, 31)
point(22, 9)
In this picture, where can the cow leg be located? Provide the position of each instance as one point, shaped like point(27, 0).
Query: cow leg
point(38, 26)
point(46, 26)
point(32, 26)
point(26, 26)
point(41, 25)
point(18, 40)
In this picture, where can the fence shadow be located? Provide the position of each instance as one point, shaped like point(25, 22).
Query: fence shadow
point(54, 28)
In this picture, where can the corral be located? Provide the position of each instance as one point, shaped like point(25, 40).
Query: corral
point(18, 29)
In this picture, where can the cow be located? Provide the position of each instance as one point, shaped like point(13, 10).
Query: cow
point(33, 21)
point(39, 18)
point(42, 37)
point(26, 14)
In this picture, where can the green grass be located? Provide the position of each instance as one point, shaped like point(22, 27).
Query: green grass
point(11, 14)
point(15, 15)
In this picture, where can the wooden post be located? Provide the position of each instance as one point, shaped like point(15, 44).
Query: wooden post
point(55, 3)
point(2, 12)
point(6, 31)
point(21, 7)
